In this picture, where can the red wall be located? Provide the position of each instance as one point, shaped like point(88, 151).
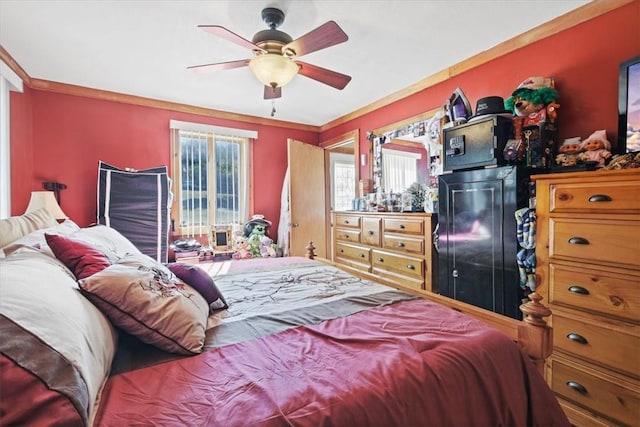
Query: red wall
point(70, 134)
point(583, 60)
point(58, 137)
point(21, 128)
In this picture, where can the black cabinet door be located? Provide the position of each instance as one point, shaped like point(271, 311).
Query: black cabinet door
point(477, 238)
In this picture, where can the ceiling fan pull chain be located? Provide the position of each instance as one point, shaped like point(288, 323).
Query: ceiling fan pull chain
point(273, 107)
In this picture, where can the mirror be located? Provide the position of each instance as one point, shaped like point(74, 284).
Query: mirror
point(398, 163)
point(406, 152)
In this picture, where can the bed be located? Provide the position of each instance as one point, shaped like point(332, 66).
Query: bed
point(263, 342)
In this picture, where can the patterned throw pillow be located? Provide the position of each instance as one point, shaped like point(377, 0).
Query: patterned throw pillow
point(199, 280)
point(142, 297)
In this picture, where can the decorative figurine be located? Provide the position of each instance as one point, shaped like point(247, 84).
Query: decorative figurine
point(596, 148)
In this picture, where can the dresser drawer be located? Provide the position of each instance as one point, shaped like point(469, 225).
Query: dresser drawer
point(403, 244)
point(594, 341)
point(405, 265)
point(612, 241)
point(403, 225)
point(348, 235)
point(592, 290)
point(356, 253)
point(352, 221)
point(595, 197)
point(620, 401)
point(370, 231)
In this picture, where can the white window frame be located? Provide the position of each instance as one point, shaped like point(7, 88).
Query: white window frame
point(344, 159)
point(208, 132)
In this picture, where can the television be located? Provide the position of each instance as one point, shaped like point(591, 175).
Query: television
point(629, 106)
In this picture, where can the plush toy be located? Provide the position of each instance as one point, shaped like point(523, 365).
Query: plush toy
point(254, 221)
point(259, 244)
point(241, 247)
point(569, 152)
point(596, 148)
point(531, 98)
point(535, 110)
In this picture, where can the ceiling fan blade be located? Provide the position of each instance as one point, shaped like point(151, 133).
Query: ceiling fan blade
point(272, 93)
point(327, 34)
point(219, 66)
point(219, 31)
point(328, 77)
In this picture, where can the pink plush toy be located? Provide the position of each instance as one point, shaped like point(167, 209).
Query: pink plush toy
point(596, 148)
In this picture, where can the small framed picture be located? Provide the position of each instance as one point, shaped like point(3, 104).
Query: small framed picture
point(221, 238)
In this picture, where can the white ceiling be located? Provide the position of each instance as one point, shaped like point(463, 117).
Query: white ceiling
point(143, 47)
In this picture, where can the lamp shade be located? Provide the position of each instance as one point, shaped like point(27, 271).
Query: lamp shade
point(273, 70)
point(46, 200)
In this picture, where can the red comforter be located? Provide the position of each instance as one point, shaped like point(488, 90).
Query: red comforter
point(412, 363)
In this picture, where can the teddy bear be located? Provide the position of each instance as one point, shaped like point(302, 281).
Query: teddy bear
point(596, 148)
point(535, 108)
point(569, 152)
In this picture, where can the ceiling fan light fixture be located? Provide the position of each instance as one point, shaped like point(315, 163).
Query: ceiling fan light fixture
point(273, 69)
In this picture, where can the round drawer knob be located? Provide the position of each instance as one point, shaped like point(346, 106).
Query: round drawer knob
point(400, 244)
point(402, 227)
point(371, 233)
point(411, 267)
point(380, 259)
point(361, 255)
point(346, 236)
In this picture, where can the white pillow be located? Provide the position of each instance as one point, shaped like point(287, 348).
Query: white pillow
point(51, 330)
point(108, 240)
point(36, 239)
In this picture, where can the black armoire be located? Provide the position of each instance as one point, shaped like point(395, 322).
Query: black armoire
point(478, 196)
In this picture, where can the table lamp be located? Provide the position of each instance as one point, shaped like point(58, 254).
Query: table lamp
point(46, 200)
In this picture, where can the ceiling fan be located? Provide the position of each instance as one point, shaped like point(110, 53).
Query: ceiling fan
point(274, 53)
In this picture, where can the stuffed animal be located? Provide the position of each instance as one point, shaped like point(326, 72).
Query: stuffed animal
point(569, 152)
point(241, 247)
point(535, 110)
point(254, 221)
point(596, 148)
point(531, 98)
point(259, 244)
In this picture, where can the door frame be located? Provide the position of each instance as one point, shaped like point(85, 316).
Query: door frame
point(328, 146)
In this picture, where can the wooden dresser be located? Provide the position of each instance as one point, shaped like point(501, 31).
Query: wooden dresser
point(588, 269)
point(395, 248)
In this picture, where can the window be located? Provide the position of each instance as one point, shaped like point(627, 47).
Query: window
point(343, 181)
point(211, 179)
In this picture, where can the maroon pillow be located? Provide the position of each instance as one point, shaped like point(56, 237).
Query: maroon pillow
point(199, 280)
point(79, 257)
